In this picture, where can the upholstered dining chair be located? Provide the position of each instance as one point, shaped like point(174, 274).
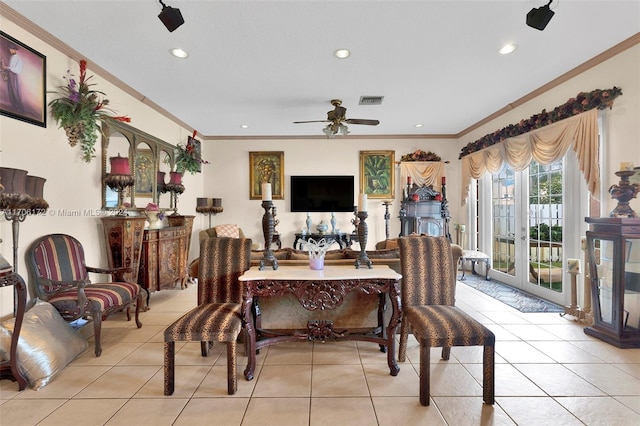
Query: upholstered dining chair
point(428, 298)
point(61, 276)
point(217, 316)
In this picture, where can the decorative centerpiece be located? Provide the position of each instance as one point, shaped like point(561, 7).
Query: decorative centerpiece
point(322, 227)
point(420, 155)
point(623, 193)
point(316, 250)
point(78, 110)
point(154, 216)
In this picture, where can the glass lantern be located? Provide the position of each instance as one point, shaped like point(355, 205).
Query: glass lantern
point(613, 246)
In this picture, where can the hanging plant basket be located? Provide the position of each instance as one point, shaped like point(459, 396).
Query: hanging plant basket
point(79, 108)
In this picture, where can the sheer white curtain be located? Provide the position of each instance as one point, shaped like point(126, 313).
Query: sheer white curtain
point(546, 145)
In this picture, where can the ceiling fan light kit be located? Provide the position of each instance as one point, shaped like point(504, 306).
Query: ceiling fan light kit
point(170, 17)
point(337, 119)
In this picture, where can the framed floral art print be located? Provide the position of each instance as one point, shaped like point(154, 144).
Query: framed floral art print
point(266, 167)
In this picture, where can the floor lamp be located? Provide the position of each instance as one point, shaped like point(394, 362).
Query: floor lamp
point(210, 206)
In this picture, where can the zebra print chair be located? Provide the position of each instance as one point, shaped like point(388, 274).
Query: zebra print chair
point(217, 317)
point(428, 298)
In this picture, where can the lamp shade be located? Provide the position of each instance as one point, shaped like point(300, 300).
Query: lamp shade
point(35, 186)
point(13, 180)
point(175, 178)
point(217, 202)
point(119, 165)
point(202, 202)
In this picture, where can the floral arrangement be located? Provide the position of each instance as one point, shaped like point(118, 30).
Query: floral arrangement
point(188, 158)
point(152, 207)
point(317, 249)
point(78, 110)
point(583, 102)
point(420, 155)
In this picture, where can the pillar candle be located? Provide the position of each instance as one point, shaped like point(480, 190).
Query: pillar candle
point(362, 203)
point(409, 180)
point(266, 192)
point(626, 166)
point(444, 180)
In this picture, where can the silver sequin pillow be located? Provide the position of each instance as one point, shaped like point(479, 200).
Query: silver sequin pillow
point(46, 345)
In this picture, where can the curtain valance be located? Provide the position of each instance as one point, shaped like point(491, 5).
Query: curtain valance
point(422, 173)
point(546, 145)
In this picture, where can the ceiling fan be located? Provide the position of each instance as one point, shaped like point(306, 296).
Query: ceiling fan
point(338, 121)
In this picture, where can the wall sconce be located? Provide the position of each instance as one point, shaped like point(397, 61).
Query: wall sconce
point(119, 179)
point(210, 206)
point(176, 187)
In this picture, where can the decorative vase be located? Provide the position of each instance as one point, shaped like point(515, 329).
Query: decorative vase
point(333, 223)
point(316, 263)
point(308, 223)
point(322, 227)
point(154, 221)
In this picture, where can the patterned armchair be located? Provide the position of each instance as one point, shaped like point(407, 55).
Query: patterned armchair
point(428, 298)
point(217, 317)
point(61, 277)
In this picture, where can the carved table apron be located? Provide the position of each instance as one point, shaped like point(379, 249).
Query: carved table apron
point(320, 290)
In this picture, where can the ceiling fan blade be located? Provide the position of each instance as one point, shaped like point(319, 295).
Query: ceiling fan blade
point(362, 121)
point(312, 121)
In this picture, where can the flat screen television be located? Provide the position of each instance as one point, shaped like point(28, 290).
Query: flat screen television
point(322, 193)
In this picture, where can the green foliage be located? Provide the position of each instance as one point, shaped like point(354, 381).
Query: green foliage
point(377, 168)
point(542, 232)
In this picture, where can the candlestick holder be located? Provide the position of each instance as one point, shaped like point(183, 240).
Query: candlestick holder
point(623, 192)
point(175, 189)
point(363, 259)
point(268, 229)
point(387, 218)
point(119, 183)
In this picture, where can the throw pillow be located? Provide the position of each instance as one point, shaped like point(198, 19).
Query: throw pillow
point(47, 343)
point(228, 230)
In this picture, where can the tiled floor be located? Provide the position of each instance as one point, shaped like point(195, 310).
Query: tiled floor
point(548, 372)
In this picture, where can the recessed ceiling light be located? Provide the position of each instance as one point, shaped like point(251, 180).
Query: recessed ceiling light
point(244, 126)
point(418, 125)
point(508, 48)
point(342, 53)
point(179, 53)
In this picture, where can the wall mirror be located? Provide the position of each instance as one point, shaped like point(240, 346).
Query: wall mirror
point(150, 161)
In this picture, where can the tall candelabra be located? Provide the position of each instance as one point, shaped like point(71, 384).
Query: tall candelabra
point(268, 229)
point(209, 206)
point(119, 183)
point(363, 259)
point(387, 218)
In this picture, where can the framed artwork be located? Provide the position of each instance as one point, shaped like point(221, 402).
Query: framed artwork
point(144, 174)
point(636, 177)
point(23, 82)
point(377, 174)
point(266, 167)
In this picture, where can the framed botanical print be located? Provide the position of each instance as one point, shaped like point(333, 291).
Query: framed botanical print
point(377, 174)
point(22, 82)
point(266, 167)
point(144, 175)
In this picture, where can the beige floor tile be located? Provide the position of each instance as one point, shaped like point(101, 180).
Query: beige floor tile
point(66, 384)
point(609, 353)
point(508, 380)
point(190, 353)
point(119, 382)
point(342, 411)
point(215, 384)
point(632, 369)
point(290, 353)
point(145, 354)
point(505, 317)
point(131, 334)
point(277, 412)
point(565, 352)
point(571, 331)
point(470, 411)
point(187, 378)
point(336, 353)
point(453, 380)
point(501, 333)
point(536, 411)
point(213, 411)
point(600, 410)
point(381, 383)
point(157, 412)
point(338, 380)
point(24, 412)
point(608, 378)
point(370, 353)
point(112, 353)
point(530, 332)
point(403, 410)
point(558, 380)
point(282, 381)
point(101, 410)
point(521, 352)
point(632, 402)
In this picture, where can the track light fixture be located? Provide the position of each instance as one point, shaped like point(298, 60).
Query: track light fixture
point(170, 17)
point(538, 18)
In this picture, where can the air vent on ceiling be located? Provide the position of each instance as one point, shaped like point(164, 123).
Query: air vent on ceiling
point(371, 100)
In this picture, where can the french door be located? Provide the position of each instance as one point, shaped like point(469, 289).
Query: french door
point(528, 223)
